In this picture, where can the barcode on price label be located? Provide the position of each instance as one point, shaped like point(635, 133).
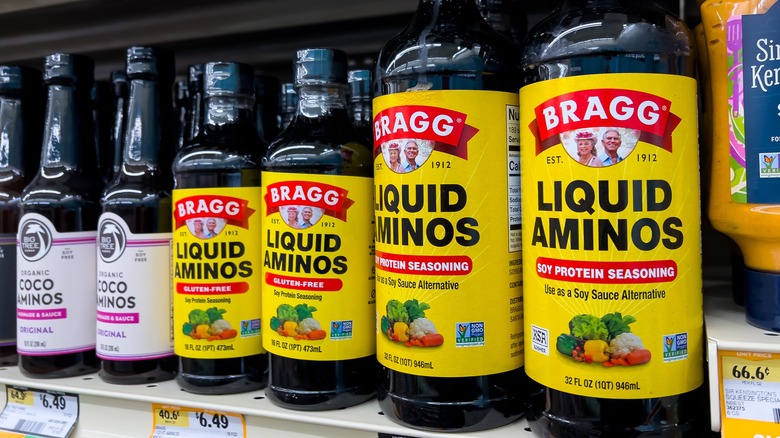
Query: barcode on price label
point(41, 412)
point(750, 394)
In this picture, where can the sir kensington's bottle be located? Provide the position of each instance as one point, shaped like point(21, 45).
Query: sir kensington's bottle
point(21, 123)
point(447, 211)
point(611, 223)
point(216, 244)
point(56, 261)
point(318, 303)
point(134, 233)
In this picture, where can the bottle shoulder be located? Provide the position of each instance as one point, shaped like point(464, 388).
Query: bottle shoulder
point(228, 150)
point(63, 185)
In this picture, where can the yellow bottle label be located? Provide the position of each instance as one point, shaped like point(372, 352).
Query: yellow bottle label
point(216, 272)
point(611, 235)
point(447, 211)
point(317, 255)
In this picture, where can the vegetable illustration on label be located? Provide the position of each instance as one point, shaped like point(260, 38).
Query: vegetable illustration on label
point(297, 322)
point(406, 323)
point(607, 340)
point(209, 325)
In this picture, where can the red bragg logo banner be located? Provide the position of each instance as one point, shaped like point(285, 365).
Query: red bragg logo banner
point(447, 129)
point(606, 107)
point(234, 210)
point(333, 200)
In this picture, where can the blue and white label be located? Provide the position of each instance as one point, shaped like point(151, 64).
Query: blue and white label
point(675, 347)
point(469, 334)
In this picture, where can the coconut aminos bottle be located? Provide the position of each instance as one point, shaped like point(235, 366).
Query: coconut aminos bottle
point(56, 254)
point(447, 211)
point(318, 303)
point(134, 233)
point(216, 251)
point(611, 223)
point(21, 120)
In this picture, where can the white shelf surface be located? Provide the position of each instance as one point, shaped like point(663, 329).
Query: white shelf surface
point(119, 411)
point(728, 330)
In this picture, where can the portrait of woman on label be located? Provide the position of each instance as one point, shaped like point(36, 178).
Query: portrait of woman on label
point(406, 155)
point(302, 216)
point(600, 147)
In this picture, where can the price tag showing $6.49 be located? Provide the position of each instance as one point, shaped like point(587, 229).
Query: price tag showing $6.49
point(750, 397)
point(196, 423)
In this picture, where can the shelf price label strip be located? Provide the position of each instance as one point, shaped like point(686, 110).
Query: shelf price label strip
point(38, 413)
point(750, 394)
point(195, 423)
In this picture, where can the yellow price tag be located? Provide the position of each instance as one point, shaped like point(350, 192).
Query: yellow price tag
point(750, 393)
point(170, 416)
point(20, 396)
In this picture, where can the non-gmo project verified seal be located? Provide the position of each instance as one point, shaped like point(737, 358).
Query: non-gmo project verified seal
point(250, 327)
point(769, 165)
point(340, 330)
point(675, 347)
point(469, 334)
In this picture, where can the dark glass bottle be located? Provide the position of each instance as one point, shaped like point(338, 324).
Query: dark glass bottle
point(182, 107)
point(321, 140)
point(587, 37)
point(448, 46)
point(195, 121)
point(120, 88)
point(61, 203)
point(102, 113)
point(224, 160)
point(21, 126)
point(134, 232)
point(359, 103)
point(289, 104)
point(267, 106)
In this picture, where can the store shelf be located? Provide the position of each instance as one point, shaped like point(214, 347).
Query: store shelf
point(115, 411)
point(727, 330)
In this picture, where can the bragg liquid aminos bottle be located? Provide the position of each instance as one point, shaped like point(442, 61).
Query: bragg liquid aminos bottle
point(611, 223)
point(216, 248)
point(289, 105)
point(318, 303)
point(120, 89)
point(134, 338)
point(21, 120)
point(447, 211)
point(56, 254)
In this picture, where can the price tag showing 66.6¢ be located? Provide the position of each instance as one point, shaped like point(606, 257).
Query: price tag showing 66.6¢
point(750, 397)
point(196, 423)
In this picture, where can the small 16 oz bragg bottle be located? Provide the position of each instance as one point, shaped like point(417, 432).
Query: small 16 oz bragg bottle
point(216, 249)
point(134, 233)
point(21, 123)
point(611, 223)
point(447, 211)
point(318, 302)
point(56, 261)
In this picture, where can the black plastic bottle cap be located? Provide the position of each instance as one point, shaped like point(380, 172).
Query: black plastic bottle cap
point(228, 78)
point(320, 66)
point(119, 79)
point(13, 77)
point(359, 82)
point(79, 69)
point(150, 61)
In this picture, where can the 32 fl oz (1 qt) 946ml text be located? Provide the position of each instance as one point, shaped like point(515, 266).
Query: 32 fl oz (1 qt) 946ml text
point(608, 385)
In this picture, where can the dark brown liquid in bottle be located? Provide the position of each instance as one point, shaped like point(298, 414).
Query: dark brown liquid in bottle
point(67, 186)
point(225, 154)
point(476, 59)
point(321, 141)
point(21, 117)
point(141, 192)
point(632, 37)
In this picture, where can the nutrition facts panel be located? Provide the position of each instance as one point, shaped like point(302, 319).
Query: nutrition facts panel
point(513, 169)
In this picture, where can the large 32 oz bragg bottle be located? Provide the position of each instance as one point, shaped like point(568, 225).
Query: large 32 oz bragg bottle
point(56, 261)
point(21, 122)
point(611, 223)
point(447, 211)
point(318, 302)
point(134, 338)
point(216, 249)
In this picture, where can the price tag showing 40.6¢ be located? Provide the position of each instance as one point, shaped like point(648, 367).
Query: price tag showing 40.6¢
point(39, 412)
point(196, 423)
point(750, 394)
